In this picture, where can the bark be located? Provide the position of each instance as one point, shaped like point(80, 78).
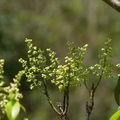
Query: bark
point(113, 3)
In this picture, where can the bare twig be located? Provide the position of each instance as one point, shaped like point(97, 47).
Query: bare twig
point(113, 3)
point(90, 104)
point(60, 107)
point(63, 114)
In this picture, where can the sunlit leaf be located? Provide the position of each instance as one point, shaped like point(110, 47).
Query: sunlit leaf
point(12, 109)
point(115, 116)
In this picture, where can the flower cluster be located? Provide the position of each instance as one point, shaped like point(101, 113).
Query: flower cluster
point(2, 96)
point(71, 73)
point(105, 64)
point(35, 68)
point(1, 68)
point(104, 68)
point(118, 66)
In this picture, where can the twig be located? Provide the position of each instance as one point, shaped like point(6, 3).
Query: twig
point(49, 99)
point(66, 95)
point(90, 104)
point(113, 3)
point(62, 112)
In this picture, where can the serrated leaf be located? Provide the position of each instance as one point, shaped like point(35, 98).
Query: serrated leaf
point(117, 92)
point(12, 109)
point(115, 116)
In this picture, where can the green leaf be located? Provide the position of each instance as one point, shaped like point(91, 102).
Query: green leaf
point(116, 115)
point(117, 92)
point(12, 109)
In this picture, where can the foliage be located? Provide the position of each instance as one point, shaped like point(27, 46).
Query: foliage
point(64, 76)
point(51, 23)
point(40, 71)
point(104, 68)
point(116, 115)
point(73, 70)
point(72, 73)
point(10, 95)
point(117, 92)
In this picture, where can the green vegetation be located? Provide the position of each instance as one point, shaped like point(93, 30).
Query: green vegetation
point(50, 24)
point(41, 71)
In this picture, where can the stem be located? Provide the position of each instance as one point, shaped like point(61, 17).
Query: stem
point(98, 82)
point(101, 73)
point(66, 94)
point(66, 99)
point(64, 118)
point(90, 104)
point(49, 99)
point(113, 3)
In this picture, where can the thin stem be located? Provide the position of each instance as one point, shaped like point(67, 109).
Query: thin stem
point(66, 92)
point(101, 73)
point(64, 99)
point(98, 82)
point(66, 104)
point(49, 99)
point(90, 104)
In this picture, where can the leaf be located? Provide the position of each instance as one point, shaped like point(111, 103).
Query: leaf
point(117, 92)
point(12, 109)
point(115, 116)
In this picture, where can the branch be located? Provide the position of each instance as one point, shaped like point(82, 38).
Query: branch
point(90, 104)
point(49, 99)
point(113, 3)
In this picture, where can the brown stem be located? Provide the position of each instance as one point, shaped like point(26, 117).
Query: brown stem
point(90, 104)
point(63, 114)
point(65, 117)
point(114, 4)
point(49, 99)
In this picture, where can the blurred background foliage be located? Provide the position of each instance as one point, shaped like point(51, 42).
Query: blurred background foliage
point(51, 23)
